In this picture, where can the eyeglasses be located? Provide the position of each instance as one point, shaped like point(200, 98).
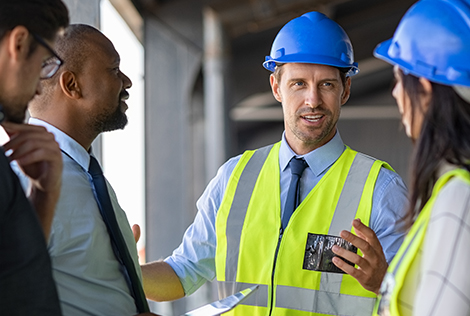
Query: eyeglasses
point(50, 65)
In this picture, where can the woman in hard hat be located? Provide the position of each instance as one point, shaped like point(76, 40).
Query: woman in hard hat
point(430, 51)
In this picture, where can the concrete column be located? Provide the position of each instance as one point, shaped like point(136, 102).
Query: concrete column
point(171, 68)
point(86, 12)
point(215, 94)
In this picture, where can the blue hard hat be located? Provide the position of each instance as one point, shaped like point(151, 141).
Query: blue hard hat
point(315, 39)
point(432, 41)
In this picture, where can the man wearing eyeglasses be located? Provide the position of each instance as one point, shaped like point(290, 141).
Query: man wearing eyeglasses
point(28, 29)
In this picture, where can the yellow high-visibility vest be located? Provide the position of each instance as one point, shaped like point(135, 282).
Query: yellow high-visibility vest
point(248, 229)
point(387, 303)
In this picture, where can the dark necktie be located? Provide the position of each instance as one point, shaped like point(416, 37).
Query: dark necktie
point(297, 166)
point(119, 245)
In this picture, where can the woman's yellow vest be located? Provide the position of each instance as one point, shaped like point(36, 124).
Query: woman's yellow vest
point(250, 251)
point(387, 304)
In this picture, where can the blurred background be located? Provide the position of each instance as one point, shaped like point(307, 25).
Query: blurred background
point(200, 95)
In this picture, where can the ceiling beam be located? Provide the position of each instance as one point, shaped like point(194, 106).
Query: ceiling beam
point(130, 15)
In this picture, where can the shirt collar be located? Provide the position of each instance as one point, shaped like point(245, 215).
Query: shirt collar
point(319, 159)
point(66, 143)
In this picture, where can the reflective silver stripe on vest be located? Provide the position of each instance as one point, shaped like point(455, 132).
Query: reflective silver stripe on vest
point(346, 210)
point(259, 298)
point(314, 301)
point(327, 300)
point(238, 210)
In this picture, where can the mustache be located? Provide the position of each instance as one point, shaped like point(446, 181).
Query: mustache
point(315, 111)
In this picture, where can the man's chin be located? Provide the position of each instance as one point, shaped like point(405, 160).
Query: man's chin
point(14, 110)
point(118, 122)
point(18, 119)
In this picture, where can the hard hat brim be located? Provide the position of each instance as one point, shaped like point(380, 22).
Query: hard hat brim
point(270, 64)
point(382, 52)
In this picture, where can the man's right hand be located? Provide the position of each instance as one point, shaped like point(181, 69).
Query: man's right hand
point(39, 157)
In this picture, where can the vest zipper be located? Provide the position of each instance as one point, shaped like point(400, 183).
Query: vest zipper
point(281, 232)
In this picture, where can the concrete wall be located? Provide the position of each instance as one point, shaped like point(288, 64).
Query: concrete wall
point(84, 11)
point(172, 127)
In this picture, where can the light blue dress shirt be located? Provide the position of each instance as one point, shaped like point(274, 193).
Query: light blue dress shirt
point(193, 261)
point(89, 278)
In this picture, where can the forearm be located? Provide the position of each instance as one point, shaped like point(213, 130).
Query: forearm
point(161, 282)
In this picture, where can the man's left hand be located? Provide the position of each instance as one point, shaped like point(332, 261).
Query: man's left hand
point(136, 232)
point(371, 266)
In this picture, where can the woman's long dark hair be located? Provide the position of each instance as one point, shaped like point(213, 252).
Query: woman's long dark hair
point(445, 136)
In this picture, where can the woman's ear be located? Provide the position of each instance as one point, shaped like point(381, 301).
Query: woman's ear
point(426, 95)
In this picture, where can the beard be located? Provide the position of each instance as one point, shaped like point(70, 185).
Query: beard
point(14, 105)
point(13, 113)
point(313, 136)
point(111, 122)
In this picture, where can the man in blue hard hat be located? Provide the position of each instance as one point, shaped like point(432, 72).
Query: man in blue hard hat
point(275, 216)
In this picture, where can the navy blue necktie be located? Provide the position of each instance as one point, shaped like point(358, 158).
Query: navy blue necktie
point(297, 167)
point(119, 245)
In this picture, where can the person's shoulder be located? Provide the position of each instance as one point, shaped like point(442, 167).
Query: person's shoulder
point(390, 180)
point(387, 179)
point(390, 174)
point(230, 164)
point(460, 183)
point(386, 173)
point(227, 168)
point(454, 194)
point(367, 156)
